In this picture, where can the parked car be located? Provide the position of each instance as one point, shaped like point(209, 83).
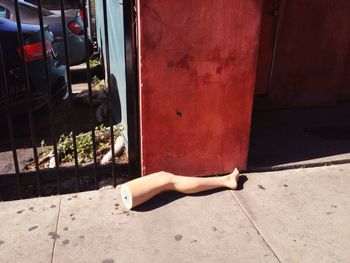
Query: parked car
point(12, 73)
point(74, 28)
point(55, 5)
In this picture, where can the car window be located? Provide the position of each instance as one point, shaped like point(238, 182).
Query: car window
point(56, 4)
point(4, 13)
point(35, 8)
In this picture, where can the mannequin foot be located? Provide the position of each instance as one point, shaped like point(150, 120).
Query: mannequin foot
point(232, 178)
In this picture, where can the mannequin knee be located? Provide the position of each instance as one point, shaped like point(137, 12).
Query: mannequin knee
point(165, 178)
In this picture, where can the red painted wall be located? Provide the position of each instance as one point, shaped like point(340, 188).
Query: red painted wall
point(312, 47)
point(197, 63)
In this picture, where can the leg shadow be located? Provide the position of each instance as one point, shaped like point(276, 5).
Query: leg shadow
point(169, 197)
point(241, 181)
point(159, 201)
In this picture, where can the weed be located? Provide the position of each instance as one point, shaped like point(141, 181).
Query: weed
point(98, 84)
point(94, 63)
point(84, 142)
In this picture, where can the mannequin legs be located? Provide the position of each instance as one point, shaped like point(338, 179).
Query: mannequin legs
point(142, 189)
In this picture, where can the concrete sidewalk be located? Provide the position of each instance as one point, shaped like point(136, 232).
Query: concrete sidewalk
point(288, 216)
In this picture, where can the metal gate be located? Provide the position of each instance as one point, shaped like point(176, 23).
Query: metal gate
point(57, 137)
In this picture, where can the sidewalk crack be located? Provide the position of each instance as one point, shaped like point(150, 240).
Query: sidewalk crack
point(56, 236)
point(256, 227)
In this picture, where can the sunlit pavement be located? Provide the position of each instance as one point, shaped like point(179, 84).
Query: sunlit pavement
point(298, 215)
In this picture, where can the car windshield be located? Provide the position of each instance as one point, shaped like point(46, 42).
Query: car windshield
point(35, 8)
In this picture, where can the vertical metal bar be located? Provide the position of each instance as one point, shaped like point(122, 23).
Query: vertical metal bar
point(28, 97)
point(66, 52)
point(105, 24)
point(89, 17)
point(272, 66)
point(10, 126)
point(132, 91)
point(51, 114)
point(92, 115)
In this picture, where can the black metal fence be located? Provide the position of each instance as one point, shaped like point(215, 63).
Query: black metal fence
point(56, 139)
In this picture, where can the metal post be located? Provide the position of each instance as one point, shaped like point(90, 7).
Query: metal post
point(105, 23)
point(51, 115)
point(132, 90)
point(70, 101)
point(92, 115)
point(28, 97)
point(10, 126)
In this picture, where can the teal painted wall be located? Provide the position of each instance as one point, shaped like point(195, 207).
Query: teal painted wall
point(117, 53)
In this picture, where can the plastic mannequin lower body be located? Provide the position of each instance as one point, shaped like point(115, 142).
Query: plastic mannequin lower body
point(142, 189)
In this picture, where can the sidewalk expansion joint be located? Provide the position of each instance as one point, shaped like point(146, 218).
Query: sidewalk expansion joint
point(56, 228)
point(256, 228)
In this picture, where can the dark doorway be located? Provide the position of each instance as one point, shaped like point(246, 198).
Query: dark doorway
point(301, 108)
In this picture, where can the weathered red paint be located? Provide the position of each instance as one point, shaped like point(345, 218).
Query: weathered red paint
point(313, 42)
point(197, 73)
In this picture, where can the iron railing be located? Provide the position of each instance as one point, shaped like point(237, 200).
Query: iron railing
point(48, 125)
